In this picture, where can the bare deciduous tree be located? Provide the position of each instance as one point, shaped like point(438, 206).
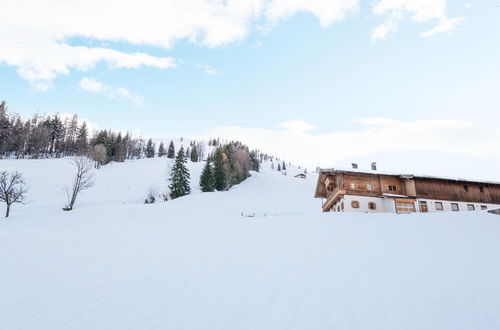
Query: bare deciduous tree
point(99, 155)
point(12, 189)
point(84, 179)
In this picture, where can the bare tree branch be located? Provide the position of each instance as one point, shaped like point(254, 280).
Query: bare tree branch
point(12, 189)
point(84, 179)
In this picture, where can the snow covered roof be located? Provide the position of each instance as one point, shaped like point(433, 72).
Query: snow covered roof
point(419, 176)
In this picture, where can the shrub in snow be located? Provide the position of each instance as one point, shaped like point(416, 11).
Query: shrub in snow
point(151, 197)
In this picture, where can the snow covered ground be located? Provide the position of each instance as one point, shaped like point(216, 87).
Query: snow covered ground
point(196, 263)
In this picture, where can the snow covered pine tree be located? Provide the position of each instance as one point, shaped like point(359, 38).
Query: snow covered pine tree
point(179, 177)
point(161, 150)
point(207, 178)
point(171, 150)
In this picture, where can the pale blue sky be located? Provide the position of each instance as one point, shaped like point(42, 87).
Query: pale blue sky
point(293, 67)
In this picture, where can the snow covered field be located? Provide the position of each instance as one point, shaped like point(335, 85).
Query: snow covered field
point(196, 263)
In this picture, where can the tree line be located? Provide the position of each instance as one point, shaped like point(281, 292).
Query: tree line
point(53, 136)
point(229, 164)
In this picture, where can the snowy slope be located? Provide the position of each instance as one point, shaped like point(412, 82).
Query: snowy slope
point(196, 263)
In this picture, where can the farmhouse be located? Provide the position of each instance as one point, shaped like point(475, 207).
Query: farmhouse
point(353, 190)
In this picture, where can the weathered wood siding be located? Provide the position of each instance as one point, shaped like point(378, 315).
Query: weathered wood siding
point(387, 181)
point(454, 191)
point(361, 181)
point(380, 184)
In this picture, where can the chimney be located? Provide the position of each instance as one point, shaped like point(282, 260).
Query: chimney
point(374, 166)
point(354, 165)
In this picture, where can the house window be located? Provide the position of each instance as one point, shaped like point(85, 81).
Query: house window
point(484, 207)
point(355, 204)
point(372, 205)
point(470, 207)
point(392, 188)
point(353, 186)
point(481, 189)
point(439, 206)
point(342, 206)
point(369, 186)
point(454, 207)
point(466, 187)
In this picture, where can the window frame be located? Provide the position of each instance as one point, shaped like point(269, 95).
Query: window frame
point(457, 207)
point(471, 207)
point(436, 206)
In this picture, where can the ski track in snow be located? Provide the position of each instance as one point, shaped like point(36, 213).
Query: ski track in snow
point(196, 263)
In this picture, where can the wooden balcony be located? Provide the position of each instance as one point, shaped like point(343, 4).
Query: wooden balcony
point(332, 198)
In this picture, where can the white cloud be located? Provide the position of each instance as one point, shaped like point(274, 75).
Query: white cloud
point(94, 86)
point(38, 37)
point(446, 25)
point(326, 11)
point(208, 69)
point(419, 11)
point(390, 25)
point(296, 125)
point(91, 85)
point(457, 137)
point(35, 34)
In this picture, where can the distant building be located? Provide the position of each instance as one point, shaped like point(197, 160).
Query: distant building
point(300, 175)
point(353, 190)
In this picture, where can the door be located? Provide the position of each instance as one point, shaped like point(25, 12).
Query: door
point(423, 206)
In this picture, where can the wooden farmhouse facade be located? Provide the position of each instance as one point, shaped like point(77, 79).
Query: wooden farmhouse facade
point(352, 190)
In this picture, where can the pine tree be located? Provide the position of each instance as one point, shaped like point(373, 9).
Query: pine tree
point(150, 149)
point(284, 166)
point(279, 167)
point(254, 159)
point(194, 153)
point(119, 149)
point(179, 177)
point(207, 178)
point(161, 150)
point(171, 150)
point(219, 170)
point(4, 129)
point(188, 153)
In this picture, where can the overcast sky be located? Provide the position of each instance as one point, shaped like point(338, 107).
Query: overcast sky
point(413, 84)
